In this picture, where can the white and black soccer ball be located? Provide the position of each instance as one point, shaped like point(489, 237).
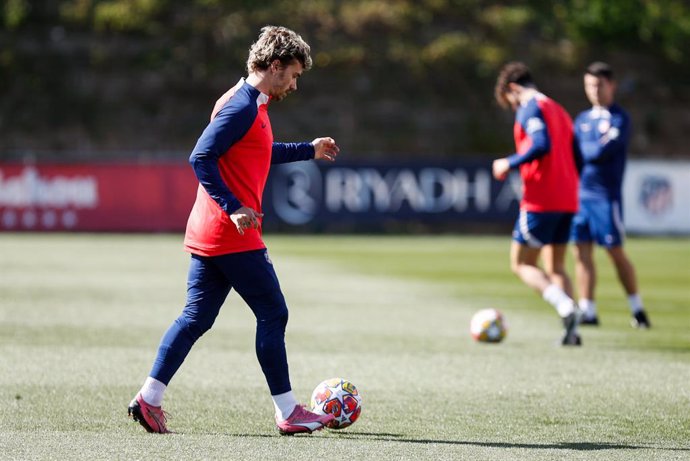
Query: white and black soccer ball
point(488, 326)
point(340, 398)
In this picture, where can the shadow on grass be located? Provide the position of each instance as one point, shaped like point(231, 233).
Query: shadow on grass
point(386, 437)
point(578, 446)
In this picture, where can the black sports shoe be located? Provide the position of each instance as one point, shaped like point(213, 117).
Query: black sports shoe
point(640, 320)
point(587, 320)
point(575, 340)
point(570, 337)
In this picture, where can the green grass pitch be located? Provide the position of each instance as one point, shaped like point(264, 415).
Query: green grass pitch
point(81, 316)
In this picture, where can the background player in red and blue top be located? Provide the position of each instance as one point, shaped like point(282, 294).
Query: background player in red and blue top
point(544, 142)
point(602, 135)
point(231, 161)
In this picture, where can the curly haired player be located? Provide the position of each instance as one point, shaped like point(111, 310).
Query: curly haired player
point(231, 161)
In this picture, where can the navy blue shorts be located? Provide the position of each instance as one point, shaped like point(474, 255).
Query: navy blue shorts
point(599, 221)
point(536, 229)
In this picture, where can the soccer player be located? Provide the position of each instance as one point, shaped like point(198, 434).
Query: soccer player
point(602, 134)
point(231, 161)
point(544, 140)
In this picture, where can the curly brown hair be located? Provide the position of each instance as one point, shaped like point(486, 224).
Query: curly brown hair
point(280, 43)
point(513, 72)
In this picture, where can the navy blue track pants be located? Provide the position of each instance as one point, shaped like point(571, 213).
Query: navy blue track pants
point(209, 282)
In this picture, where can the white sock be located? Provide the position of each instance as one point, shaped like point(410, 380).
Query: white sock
point(555, 296)
point(285, 404)
point(152, 391)
point(635, 303)
point(588, 307)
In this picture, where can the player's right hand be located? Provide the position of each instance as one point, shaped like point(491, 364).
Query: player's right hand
point(246, 218)
point(500, 168)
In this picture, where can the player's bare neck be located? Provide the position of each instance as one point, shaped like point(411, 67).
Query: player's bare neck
point(527, 93)
point(259, 80)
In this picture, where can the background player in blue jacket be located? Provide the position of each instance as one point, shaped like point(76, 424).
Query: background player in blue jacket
point(601, 135)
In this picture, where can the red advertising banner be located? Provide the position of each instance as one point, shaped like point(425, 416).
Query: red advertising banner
point(96, 197)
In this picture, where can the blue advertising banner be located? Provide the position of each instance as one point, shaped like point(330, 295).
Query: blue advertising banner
point(376, 196)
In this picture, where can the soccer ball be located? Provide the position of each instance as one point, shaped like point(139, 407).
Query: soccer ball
point(340, 398)
point(488, 326)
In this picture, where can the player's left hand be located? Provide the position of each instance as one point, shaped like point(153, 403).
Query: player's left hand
point(500, 168)
point(325, 148)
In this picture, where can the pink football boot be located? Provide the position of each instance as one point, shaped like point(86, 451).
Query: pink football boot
point(152, 418)
point(303, 420)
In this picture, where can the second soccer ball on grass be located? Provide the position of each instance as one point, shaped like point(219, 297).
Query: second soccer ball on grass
point(488, 326)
